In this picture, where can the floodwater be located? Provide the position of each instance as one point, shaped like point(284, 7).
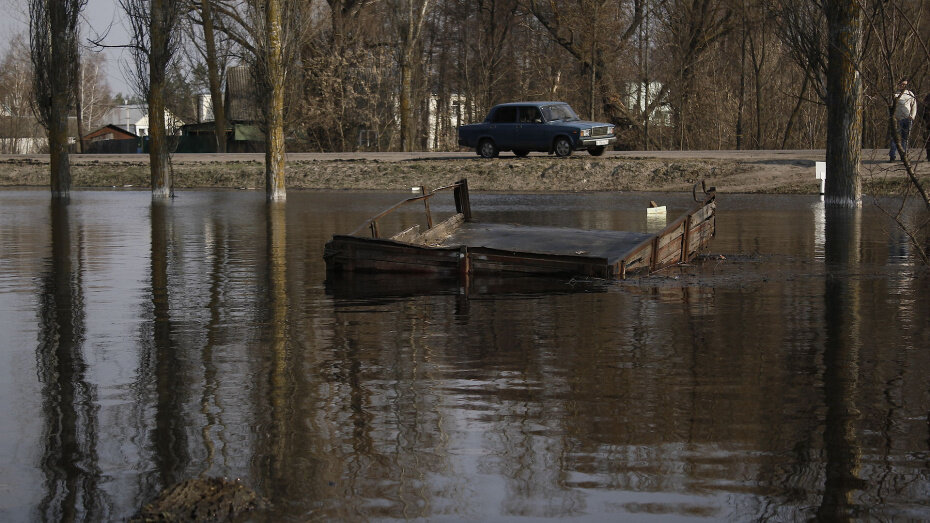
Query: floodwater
point(783, 377)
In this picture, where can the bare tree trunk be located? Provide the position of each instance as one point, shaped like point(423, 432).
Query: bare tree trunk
point(742, 91)
point(792, 118)
point(615, 110)
point(158, 140)
point(79, 106)
point(757, 63)
point(406, 112)
point(58, 151)
point(53, 50)
point(274, 132)
point(153, 26)
point(642, 93)
point(412, 15)
point(844, 103)
point(57, 127)
point(213, 71)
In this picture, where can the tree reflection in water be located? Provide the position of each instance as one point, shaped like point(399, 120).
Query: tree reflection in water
point(169, 437)
point(841, 364)
point(767, 391)
point(69, 461)
point(276, 391)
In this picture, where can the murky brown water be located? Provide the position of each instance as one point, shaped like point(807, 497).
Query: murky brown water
point(144, 345)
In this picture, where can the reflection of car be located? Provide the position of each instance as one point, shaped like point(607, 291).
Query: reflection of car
point(521, 127)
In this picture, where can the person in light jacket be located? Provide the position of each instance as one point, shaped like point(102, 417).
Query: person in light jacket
point(905, 110)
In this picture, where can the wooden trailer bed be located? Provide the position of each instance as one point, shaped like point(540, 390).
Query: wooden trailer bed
point(464, 247)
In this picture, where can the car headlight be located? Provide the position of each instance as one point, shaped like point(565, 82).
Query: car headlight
point(610, 130)
point(585, 132)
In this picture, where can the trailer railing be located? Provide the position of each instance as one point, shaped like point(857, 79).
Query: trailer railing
point(462, 206)
point(679, 241)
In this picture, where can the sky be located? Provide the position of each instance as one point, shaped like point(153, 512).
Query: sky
point(99, 15)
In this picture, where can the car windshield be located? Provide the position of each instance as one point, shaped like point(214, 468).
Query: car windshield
point(559, 112)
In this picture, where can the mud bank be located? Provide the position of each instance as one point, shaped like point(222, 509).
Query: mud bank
point(729, 171)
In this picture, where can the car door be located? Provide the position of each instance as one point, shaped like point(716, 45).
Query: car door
point(531, 132)
point(504, 127)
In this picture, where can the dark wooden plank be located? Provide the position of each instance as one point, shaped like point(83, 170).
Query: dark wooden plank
point(483, 260)
point(349, 253)
point(610, 245)
point(704, 212)
point(701, 235)
point(671, 235)
point(636, 260)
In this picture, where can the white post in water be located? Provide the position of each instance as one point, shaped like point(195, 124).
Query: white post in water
point(820, 171)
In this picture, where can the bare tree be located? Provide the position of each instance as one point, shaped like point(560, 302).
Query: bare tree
point(274, 104)
point(154, 26)
point(344, 16)
point(691, 27)
point(567, 24)
point(844, 102)
point(900, 47)
point(273, 28)
point(409, 18)
point(337, 92)
point(93, 94)
point(826, 40)
point(53, 31)
point(215, 64)
point(495, 20)
point(17, 123)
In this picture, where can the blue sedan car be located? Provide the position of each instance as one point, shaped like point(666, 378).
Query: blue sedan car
point(521, 127)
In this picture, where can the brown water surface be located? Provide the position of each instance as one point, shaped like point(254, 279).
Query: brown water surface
point(783, 377)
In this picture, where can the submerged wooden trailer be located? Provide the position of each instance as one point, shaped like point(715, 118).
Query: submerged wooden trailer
point(462, 246)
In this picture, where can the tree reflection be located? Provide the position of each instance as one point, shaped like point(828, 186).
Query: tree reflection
point(69, 460)
point(169, 438)
point(211, 402)
point(841, 364)
point(278, 382)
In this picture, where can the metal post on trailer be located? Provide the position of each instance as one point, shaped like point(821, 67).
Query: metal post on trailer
point(429, 217)
point(686, 240)
point(462, 203)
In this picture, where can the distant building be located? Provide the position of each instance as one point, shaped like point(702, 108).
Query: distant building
point(22, 135)
point(204, 104)
point(242, 111)
point(243, 133)
point(135, 119)
point(111, 139)
point(25, 135)
point(443, 119)
point(109, 132)
point(640, 95)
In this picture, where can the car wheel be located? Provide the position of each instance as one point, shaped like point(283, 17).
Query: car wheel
point(562, 147)
point(597, 151)
point(487, 149)
point(520, 152)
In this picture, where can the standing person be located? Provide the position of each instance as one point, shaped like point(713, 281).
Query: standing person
point(905, 110)
point(925, 115)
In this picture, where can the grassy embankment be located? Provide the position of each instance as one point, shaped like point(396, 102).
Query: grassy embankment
point(536, 173)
